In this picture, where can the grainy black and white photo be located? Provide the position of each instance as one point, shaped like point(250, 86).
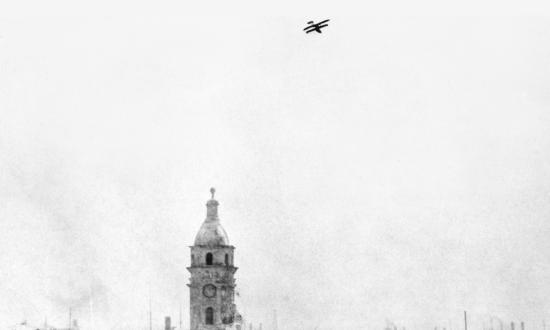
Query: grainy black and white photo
point(179, 165)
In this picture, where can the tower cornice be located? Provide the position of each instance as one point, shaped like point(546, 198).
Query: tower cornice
point(213, 246)
point(232, 269)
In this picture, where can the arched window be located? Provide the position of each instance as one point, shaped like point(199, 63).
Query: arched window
point(209, 258)
point(226, 259)
point(209, 317)
point(192, 259)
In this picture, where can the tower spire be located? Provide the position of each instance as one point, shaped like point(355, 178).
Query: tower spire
point(212, 207)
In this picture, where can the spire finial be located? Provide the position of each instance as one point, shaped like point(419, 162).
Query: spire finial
point(212, 192)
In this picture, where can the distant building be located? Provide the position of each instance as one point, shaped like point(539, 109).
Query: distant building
point(168, 323)
point(26, 326)
point(212, 282)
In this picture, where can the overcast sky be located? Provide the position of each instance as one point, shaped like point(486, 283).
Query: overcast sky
point(388, 169)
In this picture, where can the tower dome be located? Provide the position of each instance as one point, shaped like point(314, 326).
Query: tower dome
point(211, 232)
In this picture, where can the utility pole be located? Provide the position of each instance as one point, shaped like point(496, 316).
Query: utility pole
point(466, 321)
point(150, 314)
point(70, 317)
point(91, 305)
point(180, 316)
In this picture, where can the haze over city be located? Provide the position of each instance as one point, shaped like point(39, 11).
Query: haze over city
point(390, 169)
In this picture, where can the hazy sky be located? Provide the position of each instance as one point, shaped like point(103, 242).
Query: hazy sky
point(388, 169)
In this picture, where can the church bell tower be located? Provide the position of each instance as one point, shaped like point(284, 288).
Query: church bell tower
point(212, 282)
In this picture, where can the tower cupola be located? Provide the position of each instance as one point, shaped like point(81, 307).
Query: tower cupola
point(211, 232)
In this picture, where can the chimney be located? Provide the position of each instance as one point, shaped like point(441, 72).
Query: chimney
point(167, 325)
point(522, 326)
point(512, 326)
